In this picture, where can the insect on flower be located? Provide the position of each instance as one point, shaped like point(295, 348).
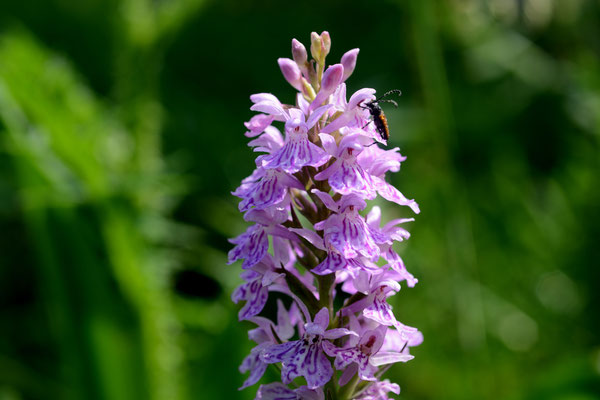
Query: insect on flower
point(377, 113)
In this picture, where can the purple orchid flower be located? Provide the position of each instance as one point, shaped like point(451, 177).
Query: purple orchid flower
point(334, 261)
point(358, 358)
point(253, 244)
point(378, 161)
point(352, 115)
point(379, 310)
point(305, 199)
point(255, 289)
point(347, 231)
point(393, 233)
point(374, 306)
point(268, 142)
point(345, 175)
point(305, 357)
point(298, 151)
point(268, 104)
point(379, 391)
point(258, 124)
point(401, 341)
point(265, 188)
point(264, 337)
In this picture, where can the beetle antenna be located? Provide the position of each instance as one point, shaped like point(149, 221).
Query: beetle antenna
point(386, 94)
point(389, 101)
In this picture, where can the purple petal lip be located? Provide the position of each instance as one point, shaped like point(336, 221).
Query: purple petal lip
point(295, 154)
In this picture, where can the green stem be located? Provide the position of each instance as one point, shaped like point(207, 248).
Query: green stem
point(326, 283)
point(298, 288)
point(347, 391)
point(330, 390)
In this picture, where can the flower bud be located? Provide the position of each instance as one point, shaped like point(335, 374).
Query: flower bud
point(349, 63)
point(315, 46)
point(331, 80)
point(325, 43)
point(299, 52)
point(301, 58)
point(291, 72)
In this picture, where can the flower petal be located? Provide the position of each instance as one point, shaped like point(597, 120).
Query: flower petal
point(322, 318)
point(275, 391)
point(280, 352)
point(338, 333)
point(255, 365)
point(252, 245)
point(328, 143)
point(326, 199)
point(332, 263)
point(390, 193)
point(346, 356)
point(316, 367)
point(316, 115)
point(380, 312)
point(256, 300)
point(389, 357)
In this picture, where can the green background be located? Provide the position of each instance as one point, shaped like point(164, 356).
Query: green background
point(121, 138)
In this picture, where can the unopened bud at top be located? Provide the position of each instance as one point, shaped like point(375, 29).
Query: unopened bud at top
point(331, 80)
point(325, 43)
point(291, 72)
point(315, 45)
point(320, 45)
point(299, 52)
point(301, 58)
point(349, 62)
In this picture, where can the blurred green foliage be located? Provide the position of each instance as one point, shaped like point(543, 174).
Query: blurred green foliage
point(121, 137)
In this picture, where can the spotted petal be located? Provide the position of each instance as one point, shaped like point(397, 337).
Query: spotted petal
point(390, 193)
point(295, 154)
point(267, 191)
point(251, 245)
point(300, 358)
point(255, 365)
point(315, 367)
point(381, 312)
point(349, 178)
point(255, 300)
point(332, 263)
point(350, 236)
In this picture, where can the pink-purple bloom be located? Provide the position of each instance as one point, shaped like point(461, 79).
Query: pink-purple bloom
point(305, 357)
point(312, 238)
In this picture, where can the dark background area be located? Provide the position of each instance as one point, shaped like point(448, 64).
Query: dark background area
point(121, 138)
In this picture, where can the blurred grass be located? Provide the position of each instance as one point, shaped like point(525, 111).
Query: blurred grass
point(121, 138)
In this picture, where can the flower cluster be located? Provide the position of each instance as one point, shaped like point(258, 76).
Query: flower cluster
point(307, 195)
